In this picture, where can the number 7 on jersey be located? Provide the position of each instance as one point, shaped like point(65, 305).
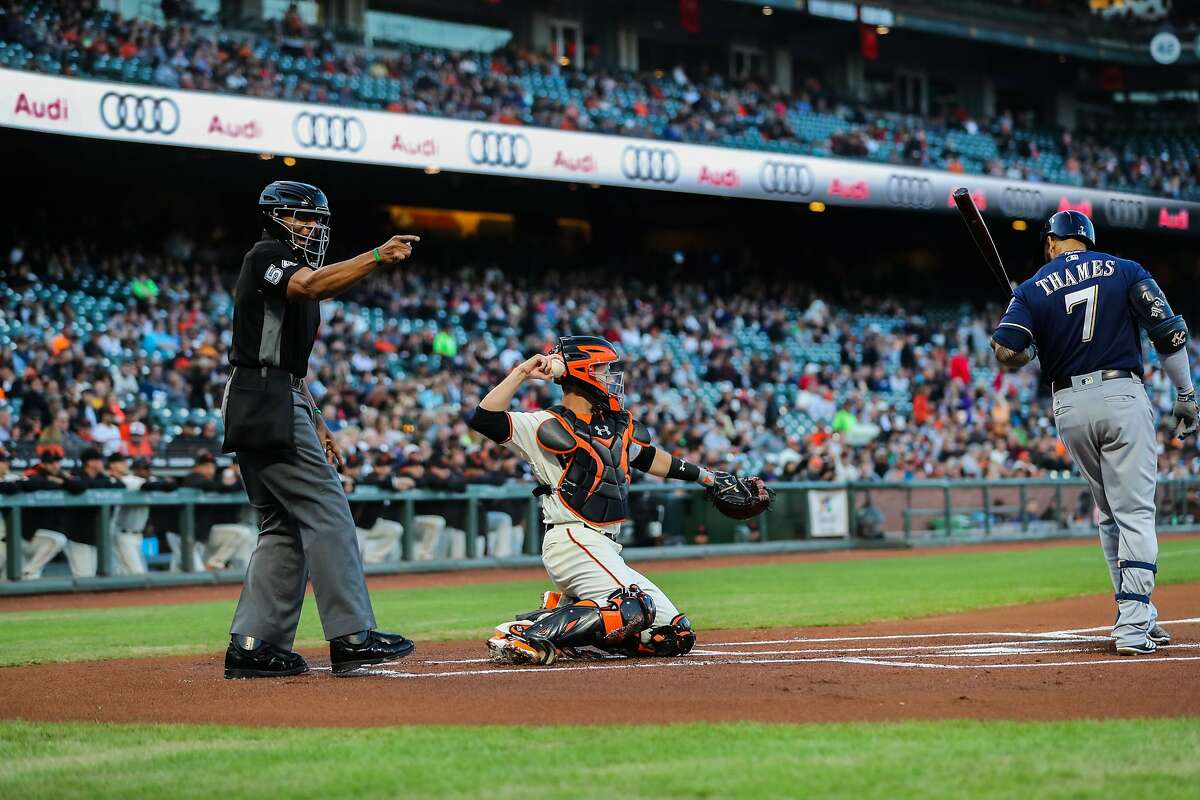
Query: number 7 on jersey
point(1088, 298)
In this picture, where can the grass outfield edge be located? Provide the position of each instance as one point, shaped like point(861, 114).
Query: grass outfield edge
point(1131, 759)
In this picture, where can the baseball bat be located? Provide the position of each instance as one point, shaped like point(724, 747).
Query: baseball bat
point(981, 235)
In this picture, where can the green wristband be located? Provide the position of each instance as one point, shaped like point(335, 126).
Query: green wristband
point(378, 260)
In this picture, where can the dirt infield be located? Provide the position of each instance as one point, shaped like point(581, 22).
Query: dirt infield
point(413, 580)
point(1043, 661)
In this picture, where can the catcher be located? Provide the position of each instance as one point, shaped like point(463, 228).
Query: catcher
point(580, 453)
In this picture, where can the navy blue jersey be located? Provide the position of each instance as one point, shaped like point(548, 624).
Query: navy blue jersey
point(1076, 309)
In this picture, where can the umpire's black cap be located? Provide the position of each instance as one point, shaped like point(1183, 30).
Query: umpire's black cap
point(1070, 225)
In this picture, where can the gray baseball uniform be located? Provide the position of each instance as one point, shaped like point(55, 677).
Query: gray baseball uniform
point(1108, 428)
point(307, 531)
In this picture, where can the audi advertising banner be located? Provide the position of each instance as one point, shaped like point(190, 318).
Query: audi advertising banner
point(226, 122)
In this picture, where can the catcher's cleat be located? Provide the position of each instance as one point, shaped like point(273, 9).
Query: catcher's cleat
point(1158, 634)
point(507, 649)
point(674, 639)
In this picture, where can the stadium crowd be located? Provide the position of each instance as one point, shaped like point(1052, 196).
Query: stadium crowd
point(96, 355)
point(515, 85)
point(108, 374)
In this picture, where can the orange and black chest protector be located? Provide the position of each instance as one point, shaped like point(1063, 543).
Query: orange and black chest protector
point(595, 459)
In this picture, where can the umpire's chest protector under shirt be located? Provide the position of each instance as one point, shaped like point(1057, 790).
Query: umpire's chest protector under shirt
point(268, 329)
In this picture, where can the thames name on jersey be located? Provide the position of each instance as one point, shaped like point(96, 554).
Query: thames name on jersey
point(1074, 274)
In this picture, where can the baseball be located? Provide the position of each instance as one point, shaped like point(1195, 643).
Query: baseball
point(558, 367)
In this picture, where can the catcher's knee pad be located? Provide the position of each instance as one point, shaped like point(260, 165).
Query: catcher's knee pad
point(674, 639)
point(615, 626)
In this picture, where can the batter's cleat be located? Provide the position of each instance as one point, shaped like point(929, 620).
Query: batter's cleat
point(1143, 649)
point(551, 600)
point(247, 657)
point(366, 648)
point(508, 649)
point(1158, 634)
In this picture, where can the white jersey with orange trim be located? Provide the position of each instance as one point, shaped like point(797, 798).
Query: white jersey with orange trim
point(547, 470)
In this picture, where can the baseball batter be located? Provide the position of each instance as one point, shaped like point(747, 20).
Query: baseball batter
point(1080, 315)
point(580, 453)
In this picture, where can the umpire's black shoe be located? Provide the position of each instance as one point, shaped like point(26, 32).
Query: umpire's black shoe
point(248, 657)
point(362, 649)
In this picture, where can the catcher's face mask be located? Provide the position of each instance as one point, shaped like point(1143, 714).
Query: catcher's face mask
point(611, 376)
point(308, 230)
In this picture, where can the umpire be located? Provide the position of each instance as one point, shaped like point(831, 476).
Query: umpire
point(286, 453)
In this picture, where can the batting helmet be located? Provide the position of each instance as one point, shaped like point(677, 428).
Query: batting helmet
point(594, 369)
point(1070, 225)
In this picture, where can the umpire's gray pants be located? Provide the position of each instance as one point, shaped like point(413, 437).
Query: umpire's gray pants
point(1108, 427)
point(306, 528)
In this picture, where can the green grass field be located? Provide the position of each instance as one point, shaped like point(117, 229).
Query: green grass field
point(1129, 759)
point(1124, 758)
point(767, 595)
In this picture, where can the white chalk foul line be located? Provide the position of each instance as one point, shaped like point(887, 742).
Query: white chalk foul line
point(692, 662)
point(1096, 662)
point(1187, 621)
point(965, 647)
point(1067, 634)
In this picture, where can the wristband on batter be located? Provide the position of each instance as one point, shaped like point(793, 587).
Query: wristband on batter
point(378, 259)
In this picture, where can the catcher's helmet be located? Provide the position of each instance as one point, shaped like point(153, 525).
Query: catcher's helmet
point(305, 202)
point(1070, 225)
point(594, 369)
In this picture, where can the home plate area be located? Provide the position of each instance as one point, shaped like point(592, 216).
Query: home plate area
point(985, 650)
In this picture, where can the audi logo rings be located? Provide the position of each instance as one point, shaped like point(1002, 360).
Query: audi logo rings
point(329, 131)
point(1126, 212)
point(1022, 203)
point(139, 113)
point(653, 164)
point(786, 177)
point(499, 149)
point(910, 191)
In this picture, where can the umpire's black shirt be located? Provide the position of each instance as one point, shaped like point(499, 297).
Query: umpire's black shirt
point(268, 330)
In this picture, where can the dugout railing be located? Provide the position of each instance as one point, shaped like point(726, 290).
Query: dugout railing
point(667, 521)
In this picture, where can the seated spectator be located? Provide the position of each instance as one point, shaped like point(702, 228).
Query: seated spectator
point(219, 528)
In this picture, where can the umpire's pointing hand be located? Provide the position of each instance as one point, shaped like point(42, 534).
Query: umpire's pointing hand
point(397, 248)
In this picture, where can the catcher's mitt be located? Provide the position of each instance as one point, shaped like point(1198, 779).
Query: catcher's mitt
point(739, 498)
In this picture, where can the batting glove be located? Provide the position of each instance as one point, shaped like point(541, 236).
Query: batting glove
point(1187, 413)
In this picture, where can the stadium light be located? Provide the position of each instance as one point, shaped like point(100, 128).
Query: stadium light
point(768, 11)
point(882, 30)
point(431, 170)
point(566, 62)
point(1019, 225)
point(288, 161)
point(816, 206)
point(265, 156)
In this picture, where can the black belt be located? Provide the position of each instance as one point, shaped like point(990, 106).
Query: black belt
point(1105, 375)
point(297, 381)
